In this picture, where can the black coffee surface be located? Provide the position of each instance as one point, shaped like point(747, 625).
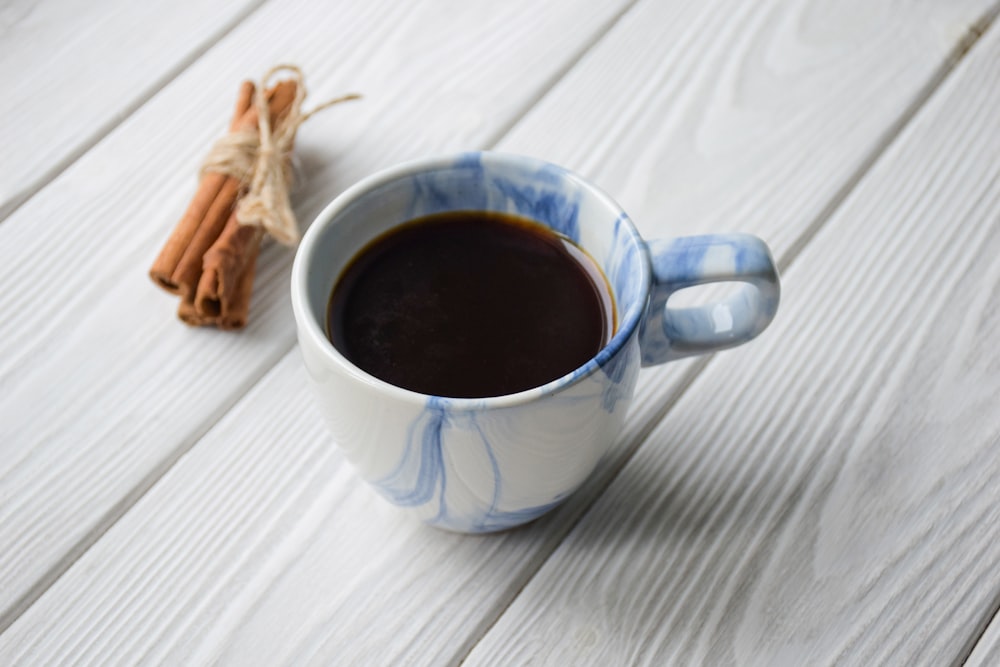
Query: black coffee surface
point(470, 304)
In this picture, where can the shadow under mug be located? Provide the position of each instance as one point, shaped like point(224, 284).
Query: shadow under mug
point(486, 464)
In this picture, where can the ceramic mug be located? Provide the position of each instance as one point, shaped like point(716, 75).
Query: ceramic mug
point(486, 464)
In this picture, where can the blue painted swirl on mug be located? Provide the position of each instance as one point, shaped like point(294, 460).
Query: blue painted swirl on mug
point(421, 477)
point(469, 184)
point(672, 333)
point(620, 374)
point(542, 197)
point(458, 188)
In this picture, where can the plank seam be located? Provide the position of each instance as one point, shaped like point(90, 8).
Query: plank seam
point(992, 616)
point(20, 198)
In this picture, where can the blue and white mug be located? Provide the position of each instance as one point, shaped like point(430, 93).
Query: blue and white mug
point(486, 464)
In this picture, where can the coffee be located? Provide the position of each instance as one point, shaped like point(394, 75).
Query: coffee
point(470, 304)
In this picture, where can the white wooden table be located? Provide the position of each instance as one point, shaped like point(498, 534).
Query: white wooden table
point(827, 494)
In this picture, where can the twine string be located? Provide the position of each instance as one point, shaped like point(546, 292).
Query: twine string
point(262, 158)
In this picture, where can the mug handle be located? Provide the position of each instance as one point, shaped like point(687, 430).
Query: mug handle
point(672, 333)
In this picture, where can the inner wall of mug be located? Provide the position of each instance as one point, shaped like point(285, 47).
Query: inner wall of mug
point(490, 182)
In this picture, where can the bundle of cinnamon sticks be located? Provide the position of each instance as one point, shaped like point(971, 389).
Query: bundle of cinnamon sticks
point(210, 258)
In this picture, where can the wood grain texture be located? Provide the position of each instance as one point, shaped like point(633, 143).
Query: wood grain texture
point(755, 118)
point(258, 544)
point(261, 519)
point(829, 494)
point(986, 652)
point(66, 83)
point(748, 104)
point(102, 387)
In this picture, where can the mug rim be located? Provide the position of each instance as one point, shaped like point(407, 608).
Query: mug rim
point(308, 325)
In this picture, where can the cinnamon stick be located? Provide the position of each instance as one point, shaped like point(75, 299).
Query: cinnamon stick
point(224, 267)
point(228, 268)
point(231, 310)
point(189, 268)
point(185, 276)
point(208, 191)
point(235, 307)
point(188, 315)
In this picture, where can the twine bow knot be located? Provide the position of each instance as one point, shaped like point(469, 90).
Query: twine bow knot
point(262, 158)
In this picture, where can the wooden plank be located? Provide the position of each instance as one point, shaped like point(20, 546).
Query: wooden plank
point(66, 83)
point(103, 389)
point(828, 495)
point(259, 544)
